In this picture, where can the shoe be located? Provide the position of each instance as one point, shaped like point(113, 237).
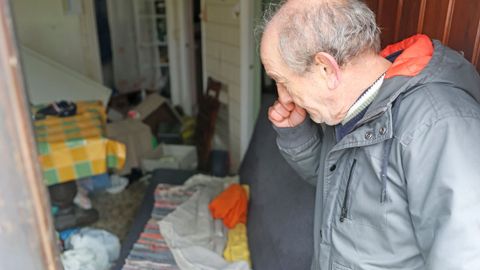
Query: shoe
point(74, 217)
point(60, 109)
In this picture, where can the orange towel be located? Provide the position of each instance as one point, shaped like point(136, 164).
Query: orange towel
point(231, 206)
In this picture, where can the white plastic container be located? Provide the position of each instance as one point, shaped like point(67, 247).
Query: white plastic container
point(170, 156)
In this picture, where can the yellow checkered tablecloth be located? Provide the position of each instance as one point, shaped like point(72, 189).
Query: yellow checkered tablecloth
point(75, 147)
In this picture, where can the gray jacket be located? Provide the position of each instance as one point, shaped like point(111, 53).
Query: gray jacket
point(402, 190)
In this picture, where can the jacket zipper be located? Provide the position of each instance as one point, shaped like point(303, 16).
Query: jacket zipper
point(343, 214)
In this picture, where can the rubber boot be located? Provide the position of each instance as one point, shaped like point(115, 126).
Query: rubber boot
point(69, 215)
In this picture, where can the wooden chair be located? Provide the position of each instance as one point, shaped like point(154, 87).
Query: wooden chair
point(206, 118)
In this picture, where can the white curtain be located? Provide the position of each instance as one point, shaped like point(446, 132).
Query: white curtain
point(135, 65)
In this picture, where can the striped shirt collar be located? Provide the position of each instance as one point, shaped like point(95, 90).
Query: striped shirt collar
point(364, 100)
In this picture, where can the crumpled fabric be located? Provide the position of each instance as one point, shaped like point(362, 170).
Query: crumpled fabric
point(83, 259)
point(230, 206)
point(237, 245)
point(195, 239)
point(90, 249)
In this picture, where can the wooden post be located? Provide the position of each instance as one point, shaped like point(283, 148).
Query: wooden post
point(26, 230)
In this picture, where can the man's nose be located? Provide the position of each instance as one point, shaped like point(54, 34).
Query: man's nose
point(283, 95)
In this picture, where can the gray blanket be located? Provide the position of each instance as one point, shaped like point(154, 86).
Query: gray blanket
point(280, 217)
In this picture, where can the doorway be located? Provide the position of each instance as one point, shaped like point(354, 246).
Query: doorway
point(153, 46)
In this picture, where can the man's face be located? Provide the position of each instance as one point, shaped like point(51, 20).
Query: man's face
point(308, 90)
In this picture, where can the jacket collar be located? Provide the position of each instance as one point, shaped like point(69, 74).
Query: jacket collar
point(375, 132)
point(416, 53)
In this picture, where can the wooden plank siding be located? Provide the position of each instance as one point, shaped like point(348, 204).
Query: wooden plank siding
point(222, 61)
point(454, 22)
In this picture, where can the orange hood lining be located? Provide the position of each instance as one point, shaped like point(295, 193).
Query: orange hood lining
point(417, 52)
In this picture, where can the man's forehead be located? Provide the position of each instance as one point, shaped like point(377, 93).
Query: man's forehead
point(268, 47)
point(272, 62)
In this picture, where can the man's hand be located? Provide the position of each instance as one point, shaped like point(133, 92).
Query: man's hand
point(286, 115)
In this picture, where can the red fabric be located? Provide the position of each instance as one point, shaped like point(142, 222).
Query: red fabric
point(231, 206)
point(417, 52)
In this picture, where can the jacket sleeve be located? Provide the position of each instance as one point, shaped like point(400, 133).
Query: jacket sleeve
point(442, 171)
point(300, 146)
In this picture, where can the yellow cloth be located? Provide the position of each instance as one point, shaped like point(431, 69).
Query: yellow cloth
point(237, 245)
point(237, 242)
point(75, 147)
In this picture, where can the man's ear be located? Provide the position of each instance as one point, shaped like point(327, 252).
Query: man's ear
point(328, 67)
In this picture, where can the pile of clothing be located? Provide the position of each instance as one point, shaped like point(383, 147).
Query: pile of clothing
point(89, 249)
point(231, 206)
point(198, 225)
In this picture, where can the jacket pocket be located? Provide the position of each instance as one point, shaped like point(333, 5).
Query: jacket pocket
point(337, 266)
point(359, 197)
point(344, 209)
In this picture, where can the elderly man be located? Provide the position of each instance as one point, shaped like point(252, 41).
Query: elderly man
point(391, 139)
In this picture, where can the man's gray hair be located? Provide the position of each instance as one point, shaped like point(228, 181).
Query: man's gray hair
point(270, 9)
point(343, 29)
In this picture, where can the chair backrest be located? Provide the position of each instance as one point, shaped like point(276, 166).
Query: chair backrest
point(206, 118)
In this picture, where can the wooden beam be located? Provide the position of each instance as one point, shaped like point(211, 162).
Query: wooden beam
point(476, 50)
point(398, 20)
point(448, 22)
point(421, 18)
point(26, 232)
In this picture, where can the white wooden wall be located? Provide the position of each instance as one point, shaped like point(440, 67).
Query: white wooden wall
point(69, 39)
point(222, 62)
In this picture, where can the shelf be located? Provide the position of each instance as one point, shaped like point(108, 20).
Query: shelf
point(150, 17)
point(162, 65)
point(153, 44)
point(151, 40)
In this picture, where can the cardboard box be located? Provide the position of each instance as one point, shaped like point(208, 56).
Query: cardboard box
point(136, 136)
point(171, 156)
point(155, 110)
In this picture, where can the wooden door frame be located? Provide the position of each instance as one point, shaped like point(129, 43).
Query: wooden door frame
point(88, 24)
point(249, 66)
point(181, 52)
point(187, 56)
point(27, 238)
